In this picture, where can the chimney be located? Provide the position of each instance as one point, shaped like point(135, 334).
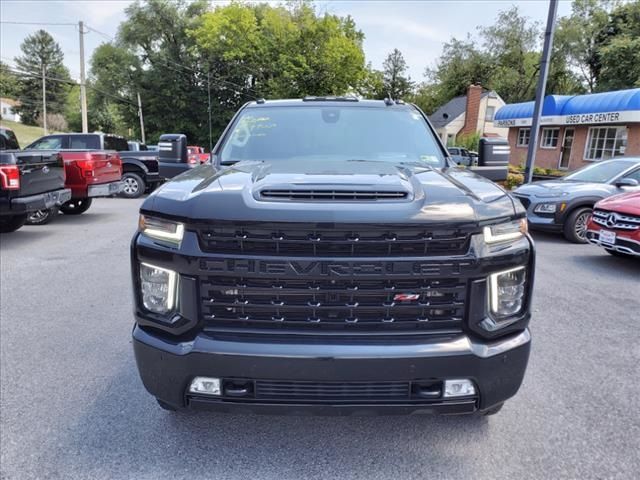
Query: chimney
point(474, 94)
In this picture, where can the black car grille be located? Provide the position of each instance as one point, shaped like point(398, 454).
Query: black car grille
point(331, 304)
point(331, 240)
point(369, 392)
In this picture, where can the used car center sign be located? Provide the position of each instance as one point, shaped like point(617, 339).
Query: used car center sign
point(577, 119)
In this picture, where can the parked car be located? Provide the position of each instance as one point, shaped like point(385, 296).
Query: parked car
point(615, 225)
point(139, 167)
point(460, 156)
point(29, 181)
point(197, 155)
point(564, 205)
point(90, 172)
point(332, 260)
point(8, 140)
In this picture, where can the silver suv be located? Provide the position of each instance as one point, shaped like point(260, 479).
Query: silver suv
point(564, 205)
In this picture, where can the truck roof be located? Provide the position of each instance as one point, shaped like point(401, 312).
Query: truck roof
point(333, 101)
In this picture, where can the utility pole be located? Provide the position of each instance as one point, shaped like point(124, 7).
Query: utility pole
point(540, 89)
point(209, 101)
point(83, 87)
point(141, 119)
point(44, 100)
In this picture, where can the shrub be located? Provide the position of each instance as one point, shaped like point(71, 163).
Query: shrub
point(470, 141)
point(513, 180)
point(55, 122)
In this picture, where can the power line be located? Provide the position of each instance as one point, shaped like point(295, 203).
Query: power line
point(40, 23)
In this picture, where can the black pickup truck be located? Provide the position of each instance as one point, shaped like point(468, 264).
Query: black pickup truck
point(332, 260)
point(139, 168)
point(29, 181)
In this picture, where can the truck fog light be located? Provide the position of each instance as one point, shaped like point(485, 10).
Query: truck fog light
point(458, 388)
point(158, 288)
point(205, 386)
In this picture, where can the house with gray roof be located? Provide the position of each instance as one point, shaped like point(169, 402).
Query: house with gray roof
point(469, 113)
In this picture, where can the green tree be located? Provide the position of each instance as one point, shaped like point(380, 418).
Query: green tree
point(40, 51)
point(9, 82)
point(461, 64)
point(511, 45)
point(397, 83)
point(619, 49)
point(579, 36)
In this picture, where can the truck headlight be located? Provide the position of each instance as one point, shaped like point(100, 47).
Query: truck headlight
point(158, 288)
point(545, 208)
point(161, 229)
point(507, 291)
point(503, 232)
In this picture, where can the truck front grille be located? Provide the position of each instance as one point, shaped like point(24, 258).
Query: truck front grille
point(332, 304)
point(331, 240)
point(332, 391)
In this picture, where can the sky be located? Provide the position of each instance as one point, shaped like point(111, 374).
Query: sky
point(417, 28)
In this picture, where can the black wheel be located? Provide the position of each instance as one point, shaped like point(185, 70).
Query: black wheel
point(11, 223)
point(493, 410)
point(133, 186)
point(165, 406)
point(42, 217)
point(615, 253)
point(76, 206)
point(575, 226)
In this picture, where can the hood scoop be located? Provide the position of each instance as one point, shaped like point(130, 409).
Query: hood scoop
point(331, 195)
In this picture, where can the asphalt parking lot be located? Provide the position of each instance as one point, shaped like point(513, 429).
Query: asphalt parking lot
point(72, 405)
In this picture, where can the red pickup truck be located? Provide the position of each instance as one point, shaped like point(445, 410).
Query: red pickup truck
point(89, 174)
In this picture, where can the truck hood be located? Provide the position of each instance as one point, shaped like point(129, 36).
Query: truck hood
point(446, 196)
point(625, 203)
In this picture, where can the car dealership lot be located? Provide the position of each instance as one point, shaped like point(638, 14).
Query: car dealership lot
point(74, 407)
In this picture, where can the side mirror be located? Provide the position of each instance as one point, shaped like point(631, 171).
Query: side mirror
point(626, 182)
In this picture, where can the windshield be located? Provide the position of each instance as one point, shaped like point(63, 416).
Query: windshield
point(600, 172)
point(332, 133)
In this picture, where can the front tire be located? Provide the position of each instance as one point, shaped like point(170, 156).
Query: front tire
point(76, 206)
point(575, 226)
point(11, 223)
point(42, 217)
point(133, 185)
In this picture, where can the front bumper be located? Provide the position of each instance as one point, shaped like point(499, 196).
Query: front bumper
point(41, 201)
point(167, 367)
point(104, 189)
point(623, 243)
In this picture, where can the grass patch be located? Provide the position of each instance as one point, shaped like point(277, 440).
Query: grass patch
point(25, 133)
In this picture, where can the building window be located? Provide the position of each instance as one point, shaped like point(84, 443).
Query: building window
point(489, 113)
point(605, 142)
point(523, 137)
point(549, 137)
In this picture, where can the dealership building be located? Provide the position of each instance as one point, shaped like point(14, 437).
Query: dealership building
point(575, 130)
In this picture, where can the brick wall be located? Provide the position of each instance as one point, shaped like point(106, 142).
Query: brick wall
point(474, 95)
point(550, 158)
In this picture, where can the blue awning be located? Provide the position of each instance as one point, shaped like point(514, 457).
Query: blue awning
point(564, 105)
